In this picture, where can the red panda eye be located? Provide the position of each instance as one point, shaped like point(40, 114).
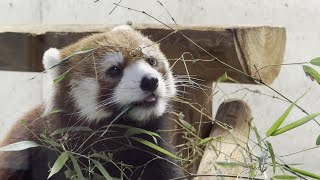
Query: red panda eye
point(114, 71)
point(152, 61)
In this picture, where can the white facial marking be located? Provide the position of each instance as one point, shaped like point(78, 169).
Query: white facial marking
point(85, 93)
point(148, 51)
point(128, 91)
point(114, 58)
point(122, 27)
point(50, 58)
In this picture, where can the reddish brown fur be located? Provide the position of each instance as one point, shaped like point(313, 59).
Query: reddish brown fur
point(77, 67)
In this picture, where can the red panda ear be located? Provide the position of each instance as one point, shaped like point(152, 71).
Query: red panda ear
point(50, 58)
point(123, 28)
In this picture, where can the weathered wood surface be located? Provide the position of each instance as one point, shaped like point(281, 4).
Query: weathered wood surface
point(235, 118)
point(244, 48)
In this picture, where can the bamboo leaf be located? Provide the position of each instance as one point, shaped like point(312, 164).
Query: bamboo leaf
point(54, 111)
point(134, 131)
point(257, 135)
point(312, 73)
point(305, 173)
point(318, 140)
point(280, 120)
point(295, 124)
point(315, 61)
point(60, 162)
point(282, 177)
point(271, 152)
point(68, 173)
point(71, 129)
point(18, 146)
point(185, 123)
point(223, 78)
point(76, 167)
point(51, 142)
point(105, 157)
point(205, 140)
point(155, 147)
point(227, 164)
point(59, 78)
point(103, 171)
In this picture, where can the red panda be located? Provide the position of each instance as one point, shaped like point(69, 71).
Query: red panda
point(117, 77)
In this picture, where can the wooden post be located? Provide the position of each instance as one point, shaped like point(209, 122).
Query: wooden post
point(230, 141)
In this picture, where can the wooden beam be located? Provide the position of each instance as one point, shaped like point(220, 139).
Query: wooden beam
point(229, 144)
point(244, 48)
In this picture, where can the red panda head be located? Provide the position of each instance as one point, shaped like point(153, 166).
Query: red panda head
point(104, 73)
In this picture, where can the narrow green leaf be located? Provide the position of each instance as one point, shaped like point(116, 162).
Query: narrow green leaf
point(76, 167)
point(59, 78)
point(185, 123)
point(133, 131)
point(312, 73)
point(284, 177)
point(60, 162)
point(223, 78)
point(51, 142)
point(68, 173)
point(103, 156)
point(205, 140)
point(318, 140)
point(273, 158)
point(295, 124)
point(315, 61)
point(227, 164)
point(54, 111)
point(18, 146)
point(155, 147)
point(257, 135)
point(103, 171)
point(72, 129)
point(181, 115)
point(280, 120)
point(305, 173)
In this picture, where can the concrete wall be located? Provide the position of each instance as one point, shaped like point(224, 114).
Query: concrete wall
point(301, 18)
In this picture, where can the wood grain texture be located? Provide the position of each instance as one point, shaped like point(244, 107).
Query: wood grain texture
point(245, 49)
point(235, 116)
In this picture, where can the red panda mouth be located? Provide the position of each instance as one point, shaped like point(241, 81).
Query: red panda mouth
point(148, 101)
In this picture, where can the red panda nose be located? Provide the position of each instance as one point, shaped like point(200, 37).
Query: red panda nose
point(149, 83)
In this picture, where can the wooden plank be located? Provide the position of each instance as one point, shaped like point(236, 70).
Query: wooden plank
point(244, 48)
point(234, 117)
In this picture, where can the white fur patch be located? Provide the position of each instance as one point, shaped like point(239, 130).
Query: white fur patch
point(128, 91)
point(114, 58)
point(122, 28)
point(85, 93)
point(50, 58)
point(148, 51)
point(170, 82)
